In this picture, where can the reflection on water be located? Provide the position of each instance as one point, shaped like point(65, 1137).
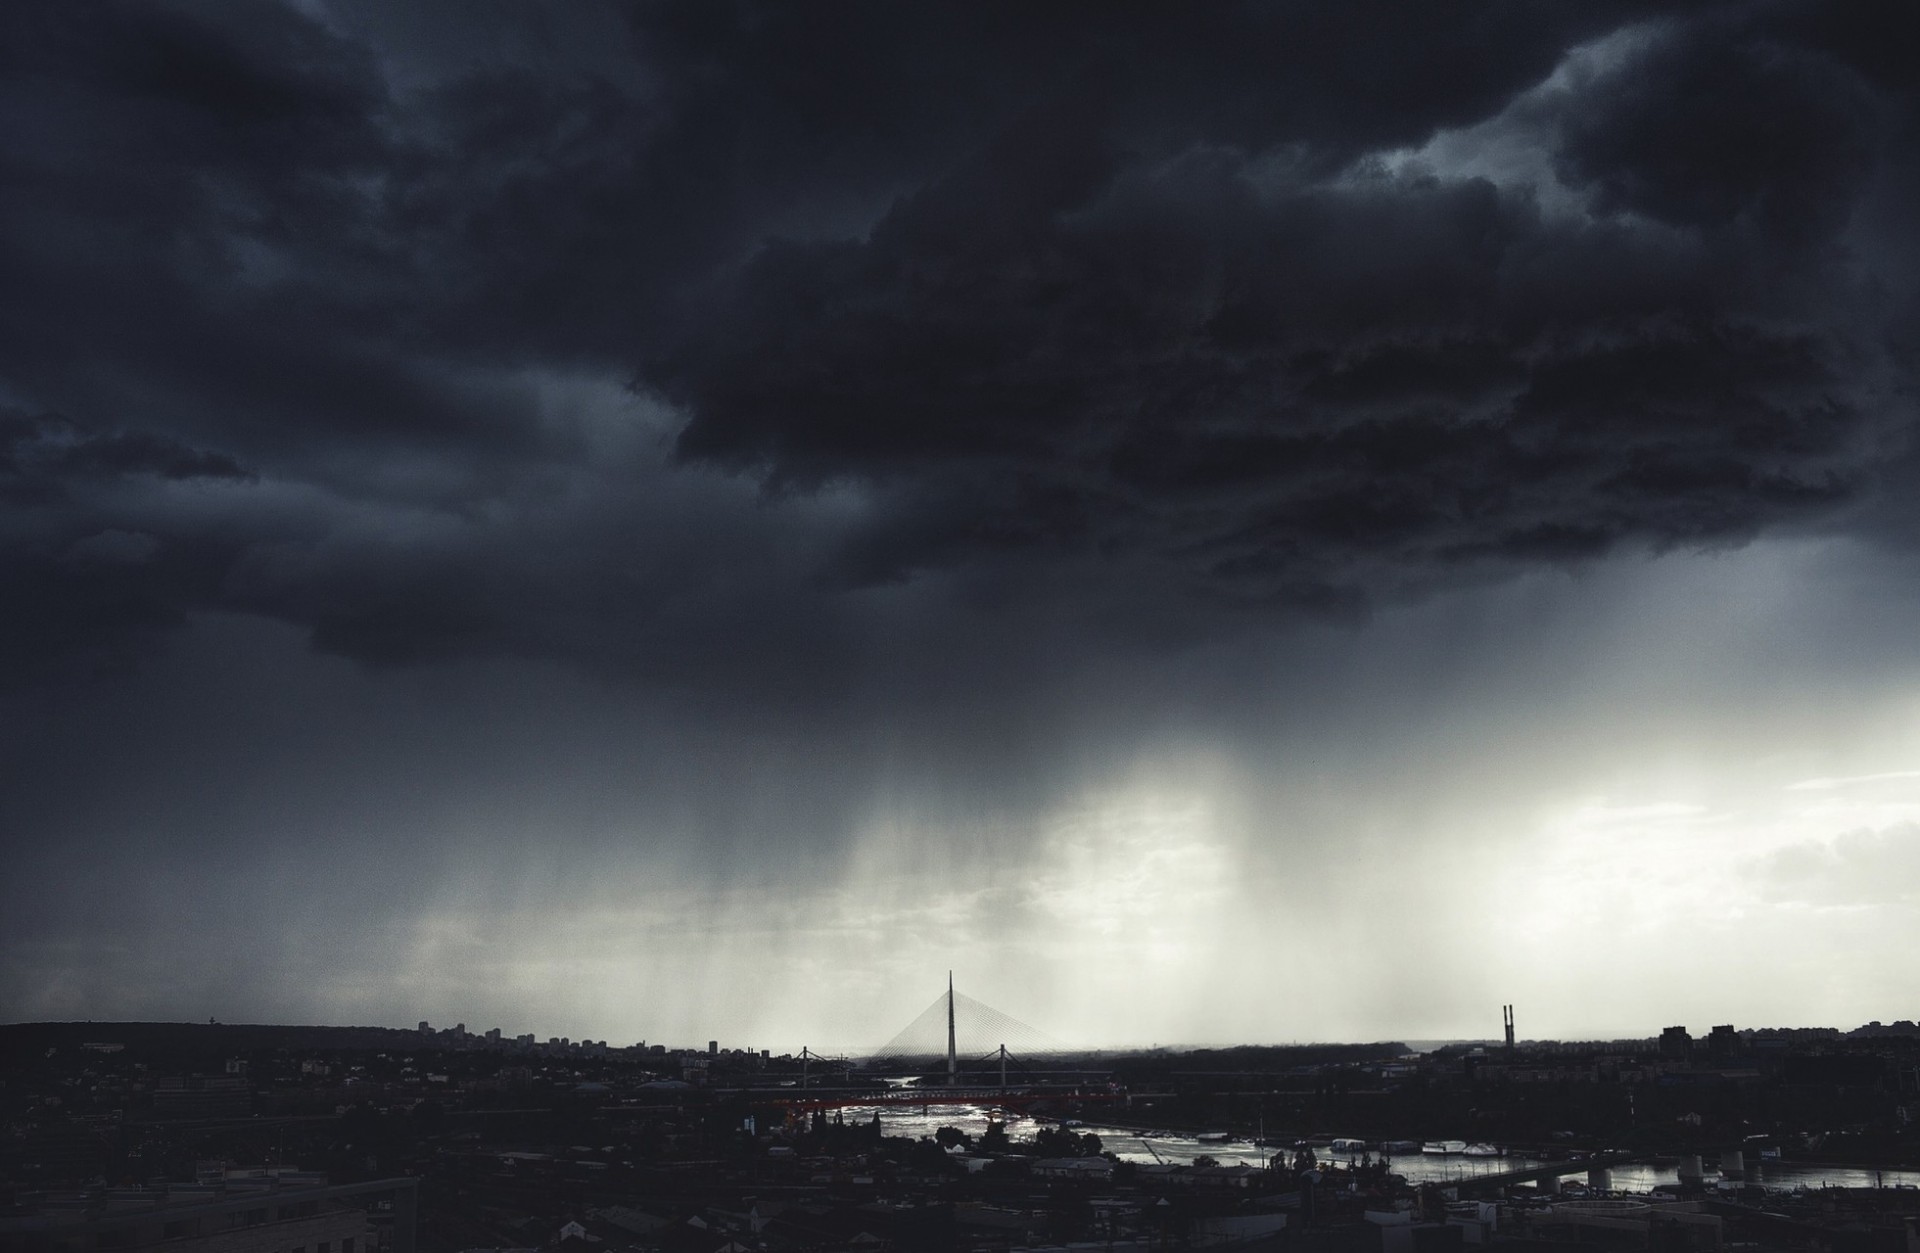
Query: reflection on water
point(1646, 1176)
point(1132, 1146)
point(1166, 1146)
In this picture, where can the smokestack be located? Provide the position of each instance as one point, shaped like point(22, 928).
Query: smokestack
point(1506, 1013)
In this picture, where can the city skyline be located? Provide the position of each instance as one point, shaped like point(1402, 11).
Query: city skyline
point(1696, 1041)
point(1269, 523)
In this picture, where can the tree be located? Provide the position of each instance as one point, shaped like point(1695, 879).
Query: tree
point(929, 1158)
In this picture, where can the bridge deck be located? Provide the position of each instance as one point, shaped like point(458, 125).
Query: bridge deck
point(830, 1098)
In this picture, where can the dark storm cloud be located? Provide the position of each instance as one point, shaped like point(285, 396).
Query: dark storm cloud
point(1291, 388)
point(36, 455)
point(1721, 122)
point(1284, 382)
point(82, 574)
point(1123, 306)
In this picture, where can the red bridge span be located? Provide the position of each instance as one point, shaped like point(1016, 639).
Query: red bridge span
point(1006, 1098)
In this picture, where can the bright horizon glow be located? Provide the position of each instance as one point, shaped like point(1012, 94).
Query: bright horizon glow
point(1550, 845)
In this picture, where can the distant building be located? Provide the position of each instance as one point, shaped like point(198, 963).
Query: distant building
point(203, 1096)
point(1723, 1044)
point(1676, 1043)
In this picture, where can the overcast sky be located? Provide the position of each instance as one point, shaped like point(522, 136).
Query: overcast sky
point(1227, 522)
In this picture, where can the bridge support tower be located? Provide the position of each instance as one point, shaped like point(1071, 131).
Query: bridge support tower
point(953, 1056)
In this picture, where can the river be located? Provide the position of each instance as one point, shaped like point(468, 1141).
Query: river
point(1166, 1146)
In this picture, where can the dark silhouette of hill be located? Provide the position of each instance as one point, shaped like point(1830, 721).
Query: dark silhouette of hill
point(189, 1044)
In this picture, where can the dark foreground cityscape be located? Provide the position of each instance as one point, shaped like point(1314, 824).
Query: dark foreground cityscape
point(273, 1139)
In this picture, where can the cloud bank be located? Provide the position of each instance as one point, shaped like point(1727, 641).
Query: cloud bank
point(742, 445)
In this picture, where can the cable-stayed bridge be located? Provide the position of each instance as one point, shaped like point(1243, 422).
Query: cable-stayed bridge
point(965, 1036)
point(960, 1051)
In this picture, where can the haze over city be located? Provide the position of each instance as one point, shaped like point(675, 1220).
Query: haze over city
point(1258, 522)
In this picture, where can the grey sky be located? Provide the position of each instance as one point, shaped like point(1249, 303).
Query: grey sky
point(684, 520)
